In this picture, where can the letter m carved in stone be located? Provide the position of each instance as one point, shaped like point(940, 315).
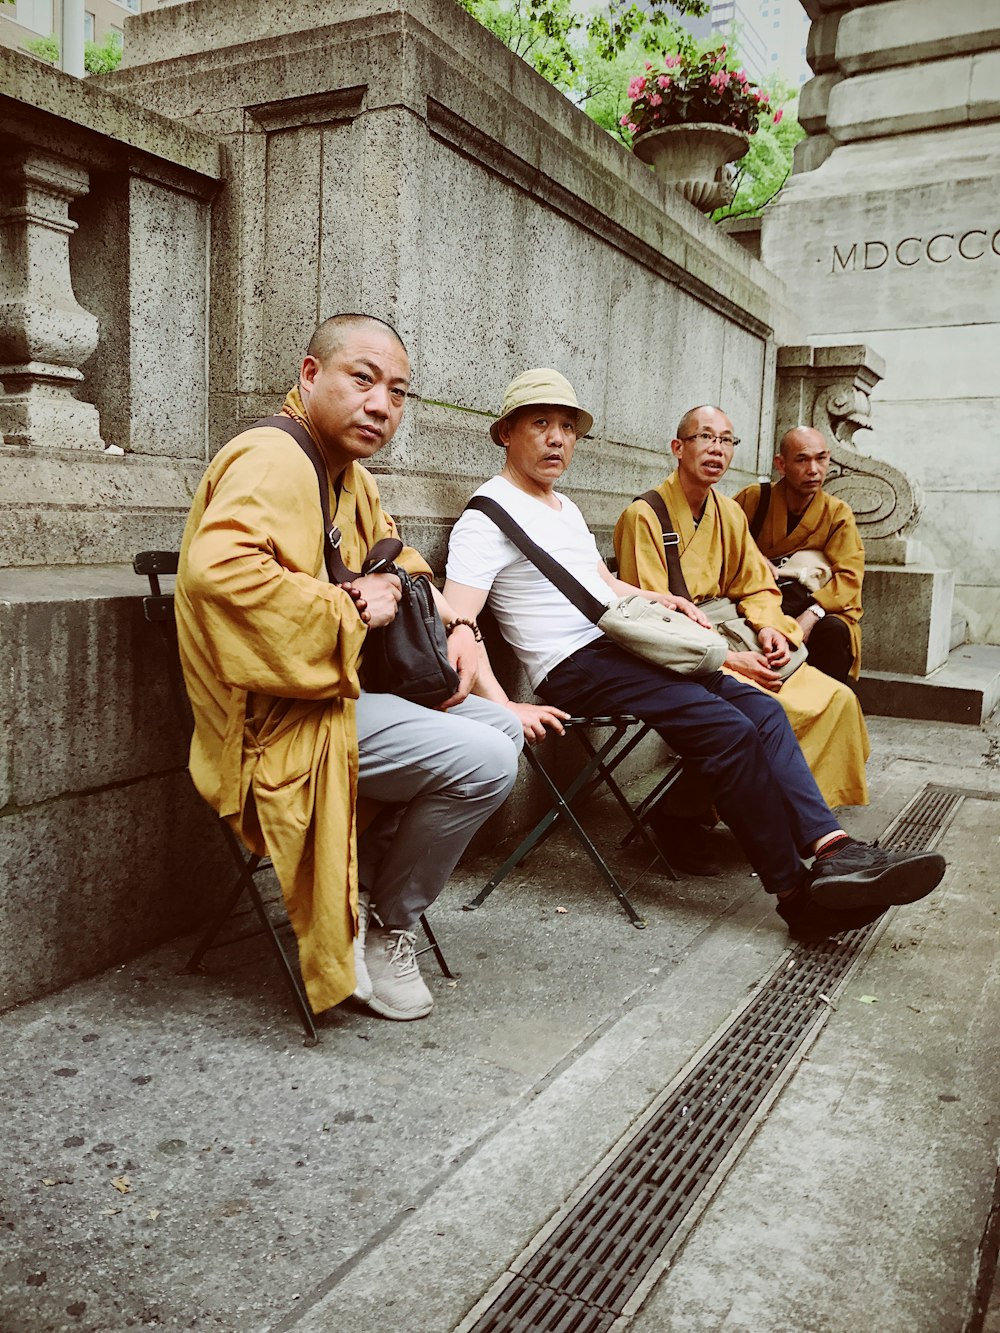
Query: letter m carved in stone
point(851, 260)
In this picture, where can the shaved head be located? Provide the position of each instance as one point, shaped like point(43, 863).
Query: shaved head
point(332, 333)
point(801, 437)
point(687, 422)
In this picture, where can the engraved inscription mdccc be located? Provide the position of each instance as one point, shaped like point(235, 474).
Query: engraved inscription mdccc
point(941, 248)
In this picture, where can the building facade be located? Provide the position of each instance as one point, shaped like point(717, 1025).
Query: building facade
point(23, 21)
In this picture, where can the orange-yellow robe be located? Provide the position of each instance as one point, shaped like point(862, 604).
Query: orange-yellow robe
point(719, 559)
point(270, 652)
point(828, 525)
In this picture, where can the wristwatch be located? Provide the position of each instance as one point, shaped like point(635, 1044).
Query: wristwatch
point(817, 611)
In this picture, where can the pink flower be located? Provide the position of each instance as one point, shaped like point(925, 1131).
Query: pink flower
point(778, 114)
point(671, 61)
point(656, 100)
point(720, 80)
point(649, 64)
point(637, 87)
point(764, 99)
point(664, 82)
point(633, 129)
point(624, 119)
point(741, 77)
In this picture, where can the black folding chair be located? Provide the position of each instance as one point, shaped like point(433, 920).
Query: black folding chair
point(158, 608)
point(625, 731)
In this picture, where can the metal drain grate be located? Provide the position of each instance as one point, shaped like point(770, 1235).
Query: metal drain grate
point(581, 1277)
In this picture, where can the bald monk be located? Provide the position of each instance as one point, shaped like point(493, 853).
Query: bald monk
point(288, 746)
point(719, 558)
point(798, 516)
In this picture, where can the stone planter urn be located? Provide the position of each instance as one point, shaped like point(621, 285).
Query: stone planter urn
point(693, 159)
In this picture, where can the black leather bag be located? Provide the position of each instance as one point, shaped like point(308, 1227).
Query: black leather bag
point(409, 656)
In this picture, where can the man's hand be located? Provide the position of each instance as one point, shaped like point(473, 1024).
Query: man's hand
point(376, 596)
point(777, 649)
point(755, 667)
point(463, 654)
point(536, 717)
point(808, 620)
point(681, 604)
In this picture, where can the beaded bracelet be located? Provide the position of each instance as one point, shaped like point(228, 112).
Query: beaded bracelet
point(470, 624)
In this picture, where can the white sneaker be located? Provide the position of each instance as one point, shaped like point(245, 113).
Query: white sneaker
point(363, 982)
point(398, 989)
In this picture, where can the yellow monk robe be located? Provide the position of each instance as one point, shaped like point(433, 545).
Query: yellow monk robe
point(270, 651)
point(827, 525)
point(719, 559)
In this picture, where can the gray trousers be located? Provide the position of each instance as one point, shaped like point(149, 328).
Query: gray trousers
point(440, 775)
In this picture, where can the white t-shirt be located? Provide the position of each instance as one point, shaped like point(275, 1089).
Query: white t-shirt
point(538, 622)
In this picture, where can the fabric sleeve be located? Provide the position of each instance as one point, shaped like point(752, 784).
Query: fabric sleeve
point(639, 549)
point(748, 581)
point(244, 591)
point(846, 555)
point(477, 551)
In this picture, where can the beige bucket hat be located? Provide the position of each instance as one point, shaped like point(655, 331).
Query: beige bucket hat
point(540, 386)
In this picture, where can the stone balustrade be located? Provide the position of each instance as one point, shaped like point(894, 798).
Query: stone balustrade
point(104, 234)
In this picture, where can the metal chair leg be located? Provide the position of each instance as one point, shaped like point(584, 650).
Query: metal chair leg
point(601, 763)
point(432, 946)
point(292, 981)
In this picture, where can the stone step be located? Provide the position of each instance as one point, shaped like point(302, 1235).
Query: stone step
point(966, 688)
point(959, 630)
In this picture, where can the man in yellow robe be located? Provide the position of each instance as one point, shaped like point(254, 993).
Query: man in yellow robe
point(286, 740)
point(718, 558)
point(800, 516)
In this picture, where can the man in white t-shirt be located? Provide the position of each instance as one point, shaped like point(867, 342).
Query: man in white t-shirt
point(736, 737)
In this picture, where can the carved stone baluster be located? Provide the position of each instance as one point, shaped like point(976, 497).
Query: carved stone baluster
point(45, 335)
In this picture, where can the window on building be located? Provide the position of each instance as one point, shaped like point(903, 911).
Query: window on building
point(133, 6)
point(118, 37)
point(33, 14)
point(88, 27)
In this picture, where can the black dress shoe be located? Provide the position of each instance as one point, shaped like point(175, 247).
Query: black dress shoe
point(685, 844)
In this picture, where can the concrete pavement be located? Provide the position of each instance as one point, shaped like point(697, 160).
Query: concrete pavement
point(173, 1157)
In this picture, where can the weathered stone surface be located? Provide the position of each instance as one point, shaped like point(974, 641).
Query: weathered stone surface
point(909, 610)
point(89, 684)
point(93, 878)
point(905, 99)
point(879, 35)
point(64, 509)
point(546, 181)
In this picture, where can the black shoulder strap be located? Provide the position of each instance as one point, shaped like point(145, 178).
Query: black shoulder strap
point(763, 505)
point(671, 542)
point(382, 553)
point(585, 602)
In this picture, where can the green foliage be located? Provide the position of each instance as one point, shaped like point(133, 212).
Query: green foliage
point(768, 162)
point(103, 57)
point(45, 48)
point(98, 57)
point(559, 42)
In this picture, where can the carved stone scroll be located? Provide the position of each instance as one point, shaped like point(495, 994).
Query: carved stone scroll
point(829, 388)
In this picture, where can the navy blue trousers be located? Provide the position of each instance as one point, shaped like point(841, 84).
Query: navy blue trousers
point(736, 737)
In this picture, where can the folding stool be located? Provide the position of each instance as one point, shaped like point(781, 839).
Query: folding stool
point(158, 608)
point(625, 732)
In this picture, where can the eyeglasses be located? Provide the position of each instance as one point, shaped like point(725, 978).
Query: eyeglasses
point(707, 437)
